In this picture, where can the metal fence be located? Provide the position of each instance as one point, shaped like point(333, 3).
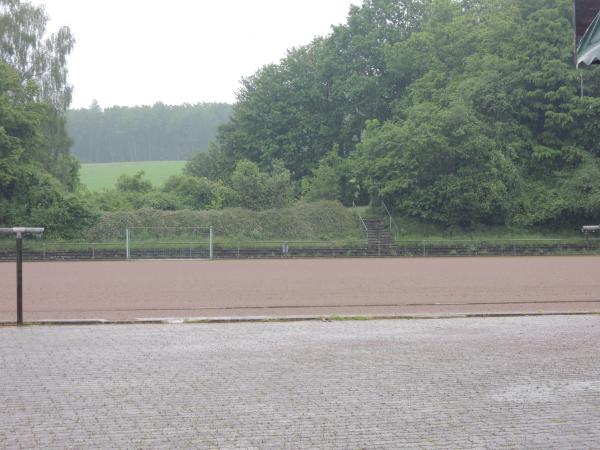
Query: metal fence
point(43, 250)
point(169, 243)
point(65, 251)
point(506, 247)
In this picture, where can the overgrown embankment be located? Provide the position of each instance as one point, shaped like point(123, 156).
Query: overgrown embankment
point(325, 220)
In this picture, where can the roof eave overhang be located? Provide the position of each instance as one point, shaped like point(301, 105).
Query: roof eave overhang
point(591, 56)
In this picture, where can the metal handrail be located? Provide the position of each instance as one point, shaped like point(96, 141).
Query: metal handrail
point(392, 221)
point(361, 221)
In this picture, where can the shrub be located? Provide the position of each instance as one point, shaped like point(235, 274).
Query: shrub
point(134, 183)
point(260, 190)
point(38, 199)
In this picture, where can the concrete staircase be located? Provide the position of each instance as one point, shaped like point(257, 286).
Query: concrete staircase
point(378, 235)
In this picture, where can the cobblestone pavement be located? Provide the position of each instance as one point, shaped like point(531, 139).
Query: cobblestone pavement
point(529, 382)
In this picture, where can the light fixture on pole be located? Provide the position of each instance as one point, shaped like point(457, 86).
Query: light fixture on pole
point(19, 232)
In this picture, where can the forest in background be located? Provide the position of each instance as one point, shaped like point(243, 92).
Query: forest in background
point(463, 114)
point(144, 133)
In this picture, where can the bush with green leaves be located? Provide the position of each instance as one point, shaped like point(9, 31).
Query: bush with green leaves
point(134, 183)
point(200, 192)
point(335, 178)
point(212, 164)
point(36, 198)
point(258, 190)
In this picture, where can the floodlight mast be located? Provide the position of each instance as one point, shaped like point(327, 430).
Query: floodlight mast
point(22, 230)
point(19, 232)
point(590, 228)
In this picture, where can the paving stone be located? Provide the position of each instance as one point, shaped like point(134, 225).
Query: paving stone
point(527, 382)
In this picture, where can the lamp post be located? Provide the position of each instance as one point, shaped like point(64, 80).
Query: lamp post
point(19, 232)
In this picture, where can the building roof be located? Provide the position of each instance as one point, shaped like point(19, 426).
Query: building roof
point(588, 50)
point(585, 11)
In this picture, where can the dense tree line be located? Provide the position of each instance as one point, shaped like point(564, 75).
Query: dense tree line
point(144, 133)
point(456, 112)
point(38, 176)
point(492, 130)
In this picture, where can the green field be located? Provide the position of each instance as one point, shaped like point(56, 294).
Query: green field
point(104, 175)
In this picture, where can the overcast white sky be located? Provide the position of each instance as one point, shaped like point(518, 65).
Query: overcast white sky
point(138, 52)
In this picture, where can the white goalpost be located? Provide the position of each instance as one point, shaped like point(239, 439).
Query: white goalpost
point(169, 243)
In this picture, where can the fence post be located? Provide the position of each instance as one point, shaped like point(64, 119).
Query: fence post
point(127, 243)
point(210, 242)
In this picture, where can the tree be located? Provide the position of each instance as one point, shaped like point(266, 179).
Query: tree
point(25, 46)
point(134, 183)
point(19, 128)
point(439, 165)
point(321, 94)
point(334, 179)
point(28, 192)
point(40, 59)
point(213, 164)
point(200, 192)
point(490, 119)
point(261, 190)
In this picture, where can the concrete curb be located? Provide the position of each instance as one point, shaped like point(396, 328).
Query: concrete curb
point(279, 319)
